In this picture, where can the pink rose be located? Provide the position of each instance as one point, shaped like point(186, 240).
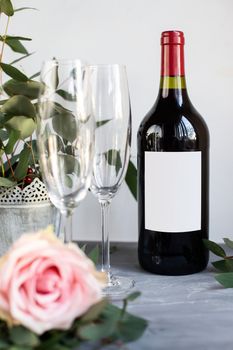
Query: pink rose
point(45, 284)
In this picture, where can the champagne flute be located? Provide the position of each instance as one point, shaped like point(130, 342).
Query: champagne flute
point(65, 136)
point(112, 113)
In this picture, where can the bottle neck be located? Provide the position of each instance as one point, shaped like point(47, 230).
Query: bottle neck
point(172, 81)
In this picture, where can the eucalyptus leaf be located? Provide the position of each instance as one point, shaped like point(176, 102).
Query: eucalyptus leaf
point(22, 166)
point(69, 164)
point(14, 159)
point(15, 44)
point(133, 296)
point(94, 254)
point(228, 242)
point(23, 38)
point(25, 8)
point(21, 58)
point(65, 126)
point(83, 248)
point(23, 337)
point(6, 7)
point(94, 312)
point(66, 95)
point(225, 265)
point(113, 157)
point(4, 182)
point(131, 328)
point(24, 125)
point(3, 135)
point(131, 179)
point(214, 248)
point(19, 106)
point(226, 279)
point(30, 88)
point(14, 136)
point(68, 181)
point(13, 72)
point(97, 331)
point(4, 119)
point(4, 345)
point(102, 122)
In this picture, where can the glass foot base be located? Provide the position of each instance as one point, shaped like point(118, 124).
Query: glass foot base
point(118, 287)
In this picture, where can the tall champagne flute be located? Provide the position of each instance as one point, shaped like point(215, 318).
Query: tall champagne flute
point(112, 113)
point(65, 135)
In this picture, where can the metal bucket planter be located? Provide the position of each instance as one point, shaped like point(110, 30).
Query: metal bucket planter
point(23, 211)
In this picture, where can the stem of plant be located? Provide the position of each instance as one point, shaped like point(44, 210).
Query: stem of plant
point(10, 166)
point(33, 155)
point(2, 166)
point(228, 257)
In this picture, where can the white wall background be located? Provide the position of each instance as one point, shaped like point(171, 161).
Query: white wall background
point(128, 31)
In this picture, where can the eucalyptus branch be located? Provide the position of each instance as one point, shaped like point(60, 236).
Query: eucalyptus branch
point(10, 166)
point(2, 167)
point(29, 145)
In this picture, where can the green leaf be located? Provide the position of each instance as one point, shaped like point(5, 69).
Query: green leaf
point(4, 345)
point(131, 179)
point(19, 106)
point(69, 164)
point(14, 136)
point(21, 58)
point(133, 296)
point(104, 328)
point(30, 89)
point(6, 7)
point(14, 159)
point(113, 157)
point(66, 95)
point(94, 312)
point(83, 248)
point(25, 8)
point(65, 126)
point(4, 182)
point(131, 328)
point(3, 135)
point(23, 38)
point(225, 265)
point(102, 122)
point(23, 337)
point(68, 181)
point(94, 255)
point(214, 248)
point(15, 44)
point(226, 279)
point(22, 166)
point(13, 72)
point(228, 242)
point(3, 119)
point(24, 125)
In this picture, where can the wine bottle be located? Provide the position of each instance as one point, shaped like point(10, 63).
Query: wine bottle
point(173, 173)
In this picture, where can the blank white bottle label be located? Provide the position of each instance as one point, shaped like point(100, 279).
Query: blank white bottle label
point(173, 191)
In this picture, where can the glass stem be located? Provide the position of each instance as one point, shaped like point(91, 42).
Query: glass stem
point(57, 223)
point(66, 231)
point(105, 238)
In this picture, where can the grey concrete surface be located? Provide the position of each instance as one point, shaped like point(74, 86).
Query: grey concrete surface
point(186, 312)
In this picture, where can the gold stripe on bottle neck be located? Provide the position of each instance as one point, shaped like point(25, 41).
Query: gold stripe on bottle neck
point(177, 82)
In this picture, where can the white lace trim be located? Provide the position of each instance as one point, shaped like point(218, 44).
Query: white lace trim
point(36, 192)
